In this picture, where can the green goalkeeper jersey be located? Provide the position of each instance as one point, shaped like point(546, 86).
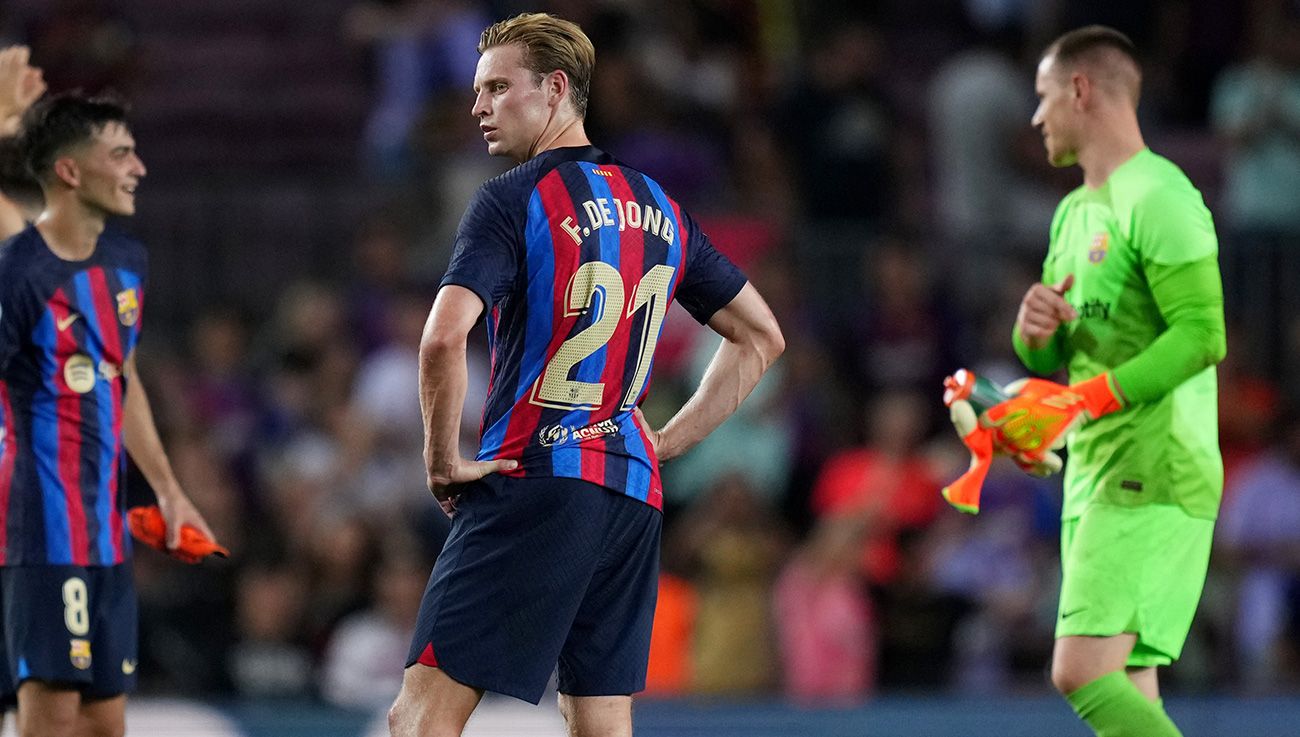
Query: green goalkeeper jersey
point(1143, 253)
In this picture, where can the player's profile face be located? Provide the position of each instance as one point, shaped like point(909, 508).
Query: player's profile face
point(1055, 114)
point(511, 107)
point(110, 171)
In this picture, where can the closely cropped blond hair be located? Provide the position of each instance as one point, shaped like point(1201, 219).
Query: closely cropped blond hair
point(549, 43)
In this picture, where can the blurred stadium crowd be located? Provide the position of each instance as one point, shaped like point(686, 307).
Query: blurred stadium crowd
point(871, 167)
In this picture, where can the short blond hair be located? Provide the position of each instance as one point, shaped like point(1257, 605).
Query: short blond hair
point(549, 43)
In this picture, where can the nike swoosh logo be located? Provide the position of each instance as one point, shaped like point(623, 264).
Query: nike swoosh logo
point(1072, 612)
point(65, 322)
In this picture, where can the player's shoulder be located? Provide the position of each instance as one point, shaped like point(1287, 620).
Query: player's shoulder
point(1150, 179)
point(19, 255)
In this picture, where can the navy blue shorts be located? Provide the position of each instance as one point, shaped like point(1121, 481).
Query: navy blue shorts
point(540, 572)
point(69, 625)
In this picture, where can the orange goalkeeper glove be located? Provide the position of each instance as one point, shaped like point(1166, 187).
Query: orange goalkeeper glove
point(148, 526)
point(1041, 414)
point(1028, 425)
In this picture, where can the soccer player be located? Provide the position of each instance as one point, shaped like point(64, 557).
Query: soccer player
point(71, 402)
point(574, 257)
point(1131, 303)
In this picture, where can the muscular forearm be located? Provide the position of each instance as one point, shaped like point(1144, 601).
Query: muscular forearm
point(734, 372)
point(1190, 298)
point(444, 379)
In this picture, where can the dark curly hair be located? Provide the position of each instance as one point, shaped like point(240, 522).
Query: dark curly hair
point(58, 122)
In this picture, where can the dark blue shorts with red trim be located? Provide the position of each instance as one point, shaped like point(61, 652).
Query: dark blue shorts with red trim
point(538, 574)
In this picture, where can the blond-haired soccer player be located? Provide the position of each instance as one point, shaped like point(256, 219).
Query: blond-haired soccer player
point(573, 257)
point(1131, 303)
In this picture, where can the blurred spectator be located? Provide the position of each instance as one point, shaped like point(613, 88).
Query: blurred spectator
point(825, 623)
point(1256, 109)
point(888, 482)
point(269, 659)
point(366, 657)
point(734, 544)
point(980, 103)
point(838, 128)
point(672, 637)
point(1259, 531)
point(906, 334)
point(1003, 565)
point(420, 47)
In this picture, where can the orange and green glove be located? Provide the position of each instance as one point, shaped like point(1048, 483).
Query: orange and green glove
point(148, 526)
point(1041, 414)
point(1028, 421)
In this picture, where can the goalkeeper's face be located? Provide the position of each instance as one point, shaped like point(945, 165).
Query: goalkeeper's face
point(1057, 116)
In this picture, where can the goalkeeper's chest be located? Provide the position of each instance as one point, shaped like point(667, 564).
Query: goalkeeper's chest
point(1090, 245)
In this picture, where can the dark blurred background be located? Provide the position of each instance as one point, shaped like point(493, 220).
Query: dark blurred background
point(872, 168)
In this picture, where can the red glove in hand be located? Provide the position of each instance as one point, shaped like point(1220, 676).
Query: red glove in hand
point(148, 526)
point(1037, 420)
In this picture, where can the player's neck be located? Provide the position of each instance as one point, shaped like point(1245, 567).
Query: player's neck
point(69, 230)
point(1114, 143)
point(569, 133)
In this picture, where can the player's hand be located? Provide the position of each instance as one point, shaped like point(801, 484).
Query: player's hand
point(20, 85)
point(147, 526)
point(652, 436)
point(1043, 310)
point(445, 479)
point(178, 511)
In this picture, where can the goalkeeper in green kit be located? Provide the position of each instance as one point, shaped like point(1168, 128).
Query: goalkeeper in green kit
point(1131, 302)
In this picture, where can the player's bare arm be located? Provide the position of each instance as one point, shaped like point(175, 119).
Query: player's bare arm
point(140, 435)
point(1042, 311)
point(752, 340)
point(444, 377)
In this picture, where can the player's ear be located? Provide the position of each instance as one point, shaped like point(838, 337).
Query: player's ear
point(556, 85)
point(67, 171)
point(1081, 89)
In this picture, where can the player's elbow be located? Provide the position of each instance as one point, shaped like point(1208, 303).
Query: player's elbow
point(1213, 343)
point(1216, 349)
point(436, 343)
point(769, 341)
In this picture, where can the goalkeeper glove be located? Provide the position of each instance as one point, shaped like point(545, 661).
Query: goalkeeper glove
point(1042, 414)
point(1027, 426)
point(148, 526)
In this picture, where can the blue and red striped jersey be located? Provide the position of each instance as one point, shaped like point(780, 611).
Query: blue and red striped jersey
point(577, 258)
point(66, 328)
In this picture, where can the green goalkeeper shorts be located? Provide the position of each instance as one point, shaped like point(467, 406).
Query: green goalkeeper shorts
point(1133, 569)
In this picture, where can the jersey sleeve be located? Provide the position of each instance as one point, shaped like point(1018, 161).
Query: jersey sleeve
point(1190, 299)
point(711, 281)
point(485, 259)
point(1172, 225)
point(17, 315)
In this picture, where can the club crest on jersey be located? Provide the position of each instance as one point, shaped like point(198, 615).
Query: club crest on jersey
point(79, 654)
point(79, 373)
point(1100, 247)
point(128, 307)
